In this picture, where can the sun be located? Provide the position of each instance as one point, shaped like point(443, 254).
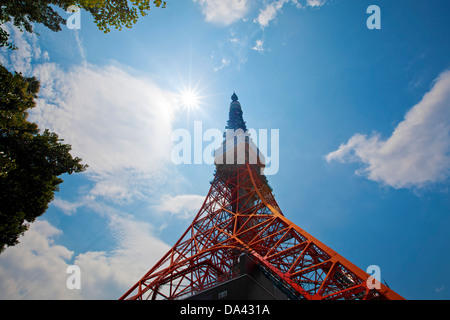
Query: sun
point(190, 99)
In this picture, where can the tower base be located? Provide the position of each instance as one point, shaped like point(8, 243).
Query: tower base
point(252, 283)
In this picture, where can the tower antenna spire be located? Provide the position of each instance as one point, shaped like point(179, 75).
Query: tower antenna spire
point(235, 119)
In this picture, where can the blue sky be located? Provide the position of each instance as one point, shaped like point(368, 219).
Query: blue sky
point(363, 117)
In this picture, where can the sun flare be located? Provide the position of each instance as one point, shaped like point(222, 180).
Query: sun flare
point(190, 99)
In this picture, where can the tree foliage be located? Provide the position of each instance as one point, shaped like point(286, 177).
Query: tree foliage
point(106, 13)
point(117, 13)
point(30, 162)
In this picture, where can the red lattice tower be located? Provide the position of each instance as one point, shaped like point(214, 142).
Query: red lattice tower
point(240, 215)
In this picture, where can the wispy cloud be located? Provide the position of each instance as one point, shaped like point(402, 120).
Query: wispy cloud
point(315, 3)
point(418, 151)
point(79, 43)
point(245, 36)
point(271, 10)
point(259, 46)
point(224, 63)
point(28, 50)
point(439, 290)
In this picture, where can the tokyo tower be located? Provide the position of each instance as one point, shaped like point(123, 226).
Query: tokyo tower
point(240, 245)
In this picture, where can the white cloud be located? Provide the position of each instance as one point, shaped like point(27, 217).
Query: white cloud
point(418, 151)
point(315, 3)
point(184, 205)
point(259, 46)
point(271, 10)
point(108, 275)
point(36, 268)
point(119, 124)
point(224, 12)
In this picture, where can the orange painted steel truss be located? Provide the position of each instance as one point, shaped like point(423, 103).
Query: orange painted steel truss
point(240, 215)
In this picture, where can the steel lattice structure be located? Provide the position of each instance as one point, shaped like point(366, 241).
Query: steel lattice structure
point(240, 215)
